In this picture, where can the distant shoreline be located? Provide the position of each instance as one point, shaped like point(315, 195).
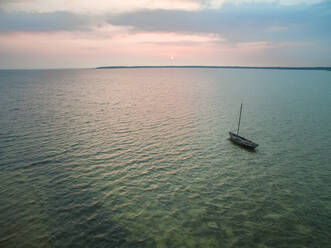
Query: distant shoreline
point(219, 67)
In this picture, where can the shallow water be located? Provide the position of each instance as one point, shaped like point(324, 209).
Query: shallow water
point(140, 158)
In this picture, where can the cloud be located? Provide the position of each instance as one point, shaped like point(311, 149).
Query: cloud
point(252, 21)
point(246, 23)
point(70, 50)
point(86, 33)
point(114, 6)
point(96, 7)
point(42, 22)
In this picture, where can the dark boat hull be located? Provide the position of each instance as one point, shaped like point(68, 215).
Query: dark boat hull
point(242, 141)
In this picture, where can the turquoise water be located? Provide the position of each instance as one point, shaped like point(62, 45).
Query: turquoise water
point(140, 158)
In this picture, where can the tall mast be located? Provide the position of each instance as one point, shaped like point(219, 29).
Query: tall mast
point(241, 107)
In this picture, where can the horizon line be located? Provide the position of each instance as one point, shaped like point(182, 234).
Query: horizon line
point(219, 67)
point(327, 68)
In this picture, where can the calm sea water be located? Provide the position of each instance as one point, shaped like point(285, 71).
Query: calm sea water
point(140, 158)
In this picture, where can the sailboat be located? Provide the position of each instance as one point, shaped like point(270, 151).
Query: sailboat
point(241, 140)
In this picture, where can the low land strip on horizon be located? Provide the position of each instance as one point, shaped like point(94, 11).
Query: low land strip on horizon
point(218, 67)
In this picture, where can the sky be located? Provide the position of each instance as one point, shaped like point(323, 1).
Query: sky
point(87, 34)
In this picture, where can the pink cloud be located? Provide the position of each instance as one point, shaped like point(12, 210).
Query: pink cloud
point(121, 47)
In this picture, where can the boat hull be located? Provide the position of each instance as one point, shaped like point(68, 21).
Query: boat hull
point(242, 141)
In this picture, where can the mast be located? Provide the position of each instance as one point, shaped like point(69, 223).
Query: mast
point(241, 107)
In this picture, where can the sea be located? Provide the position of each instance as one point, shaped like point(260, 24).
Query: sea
point(141, 158)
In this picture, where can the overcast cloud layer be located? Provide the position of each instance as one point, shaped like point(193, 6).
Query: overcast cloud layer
point(81, 34)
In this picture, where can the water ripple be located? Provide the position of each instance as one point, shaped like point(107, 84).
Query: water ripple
point(141, 159)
